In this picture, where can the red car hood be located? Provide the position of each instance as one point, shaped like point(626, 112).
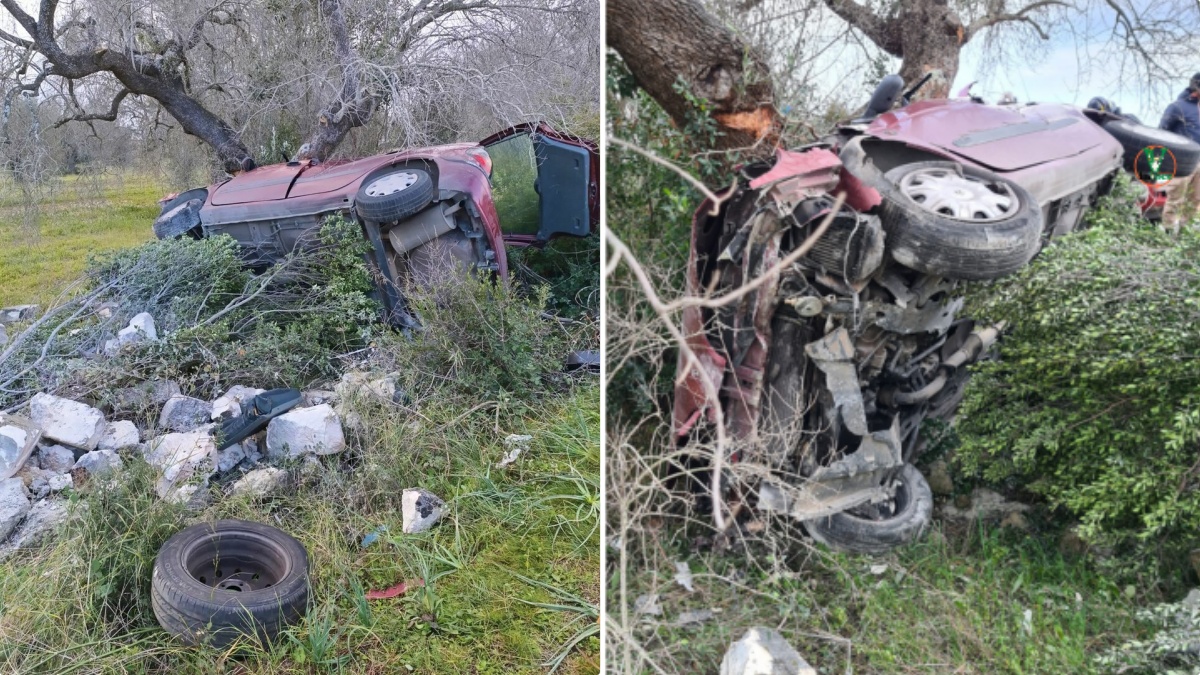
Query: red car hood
point(301, 179)
point(1002, 138)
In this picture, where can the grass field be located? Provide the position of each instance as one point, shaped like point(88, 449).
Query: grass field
point(511, 578)
point(77, 216)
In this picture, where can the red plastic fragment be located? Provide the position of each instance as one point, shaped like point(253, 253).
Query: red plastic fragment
point(399, 589)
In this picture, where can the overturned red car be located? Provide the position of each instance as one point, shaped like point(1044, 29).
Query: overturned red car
point(827, 372)
point(424, 210)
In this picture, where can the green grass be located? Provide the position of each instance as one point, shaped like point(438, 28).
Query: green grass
point(76, 216)
point(512, 544)
point(943, 605)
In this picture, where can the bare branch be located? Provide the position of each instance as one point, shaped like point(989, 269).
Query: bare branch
point(110, 116)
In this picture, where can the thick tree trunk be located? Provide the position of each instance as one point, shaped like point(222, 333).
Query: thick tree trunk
point(931, 36)
point(664, 42)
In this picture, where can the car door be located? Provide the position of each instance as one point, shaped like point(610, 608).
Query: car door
point(544, 183)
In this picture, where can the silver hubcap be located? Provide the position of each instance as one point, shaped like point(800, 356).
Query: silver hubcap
point(944, 192)
point(391, 183)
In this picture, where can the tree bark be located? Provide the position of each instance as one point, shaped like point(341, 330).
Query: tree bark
point(664, 42)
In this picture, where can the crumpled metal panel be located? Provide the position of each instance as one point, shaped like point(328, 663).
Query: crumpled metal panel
point(853, 480)
point(834, 355)
point(797, 176)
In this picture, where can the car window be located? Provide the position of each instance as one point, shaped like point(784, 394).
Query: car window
point(514, 173)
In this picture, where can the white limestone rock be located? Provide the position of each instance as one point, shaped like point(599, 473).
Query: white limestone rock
point(182, 457)
point(117, 435)
point(68, 422)
point(260, 483)
point(18, 436)
point(314, 430)
point(183, 413)
point(763, 651)
point(420, 510)
point(233, 402)
point(14, 504)
point(99, 462)
point(56, 458)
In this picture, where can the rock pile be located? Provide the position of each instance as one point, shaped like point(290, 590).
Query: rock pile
point(64, 444)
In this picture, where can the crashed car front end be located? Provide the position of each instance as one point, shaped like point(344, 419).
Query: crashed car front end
point(827, 370)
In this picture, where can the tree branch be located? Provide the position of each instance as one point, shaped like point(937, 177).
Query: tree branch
point(110, 116)
point(1006, 17)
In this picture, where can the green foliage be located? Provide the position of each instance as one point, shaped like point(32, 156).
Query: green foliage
point(1094, 400)
point(568, 267)
point(487, 341)
point(1170, 650)
point(514, 173)
point(218, 324)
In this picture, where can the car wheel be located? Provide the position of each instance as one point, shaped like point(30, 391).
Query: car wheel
point(958, 221)
point(878, 528)
point(181, 215)
point(216, 582)
point(1136, 137)
point(394, 195)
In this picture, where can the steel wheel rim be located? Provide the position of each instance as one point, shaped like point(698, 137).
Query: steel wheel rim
point(967, 198)
point(220, 561)
point(391, 183)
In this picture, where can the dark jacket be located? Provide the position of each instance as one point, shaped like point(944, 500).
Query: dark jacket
point(1183, 117)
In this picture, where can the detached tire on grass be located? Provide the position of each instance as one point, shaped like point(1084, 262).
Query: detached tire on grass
point(394, 195)
point(958, 221)
point(215, 583)
point(871, 529)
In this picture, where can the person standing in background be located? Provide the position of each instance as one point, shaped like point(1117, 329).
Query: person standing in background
point(1183, 194)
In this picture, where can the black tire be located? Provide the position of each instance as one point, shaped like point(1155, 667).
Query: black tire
point(181, 215)
point(971, 247)
point(410, 191)
point(1136, 137)
point(855, 531)
point(268, 590)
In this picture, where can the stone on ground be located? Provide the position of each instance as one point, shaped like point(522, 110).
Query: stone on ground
point(117, 435)
point(140, 329)
point(145, 395)
point(14, 504)
point(3, 335)
point(60, 482)
point(317, 397)
point(260, 483)
point(68, 422)
point(420, 510)
point(56, 458)
point(183, 413)
point(36, 480)
point(231, 404)
point(17, 313)
point(356, 383)
point(99, 462)
point(307, 430)
point(181, 457)
point(230, 457)
point(18, 436)
point(763, 651)
point(38, 525)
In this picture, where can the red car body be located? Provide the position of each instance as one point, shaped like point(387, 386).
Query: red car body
point(269, 209)
point(1056, 152)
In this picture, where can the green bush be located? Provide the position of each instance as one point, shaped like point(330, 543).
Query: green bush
point(1093, 402)
point(218, 324)
point(486, 340)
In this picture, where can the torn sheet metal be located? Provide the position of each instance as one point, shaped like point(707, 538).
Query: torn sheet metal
point(797, 176)
point(856, 479)
point(834, 355)
point(932, 318)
